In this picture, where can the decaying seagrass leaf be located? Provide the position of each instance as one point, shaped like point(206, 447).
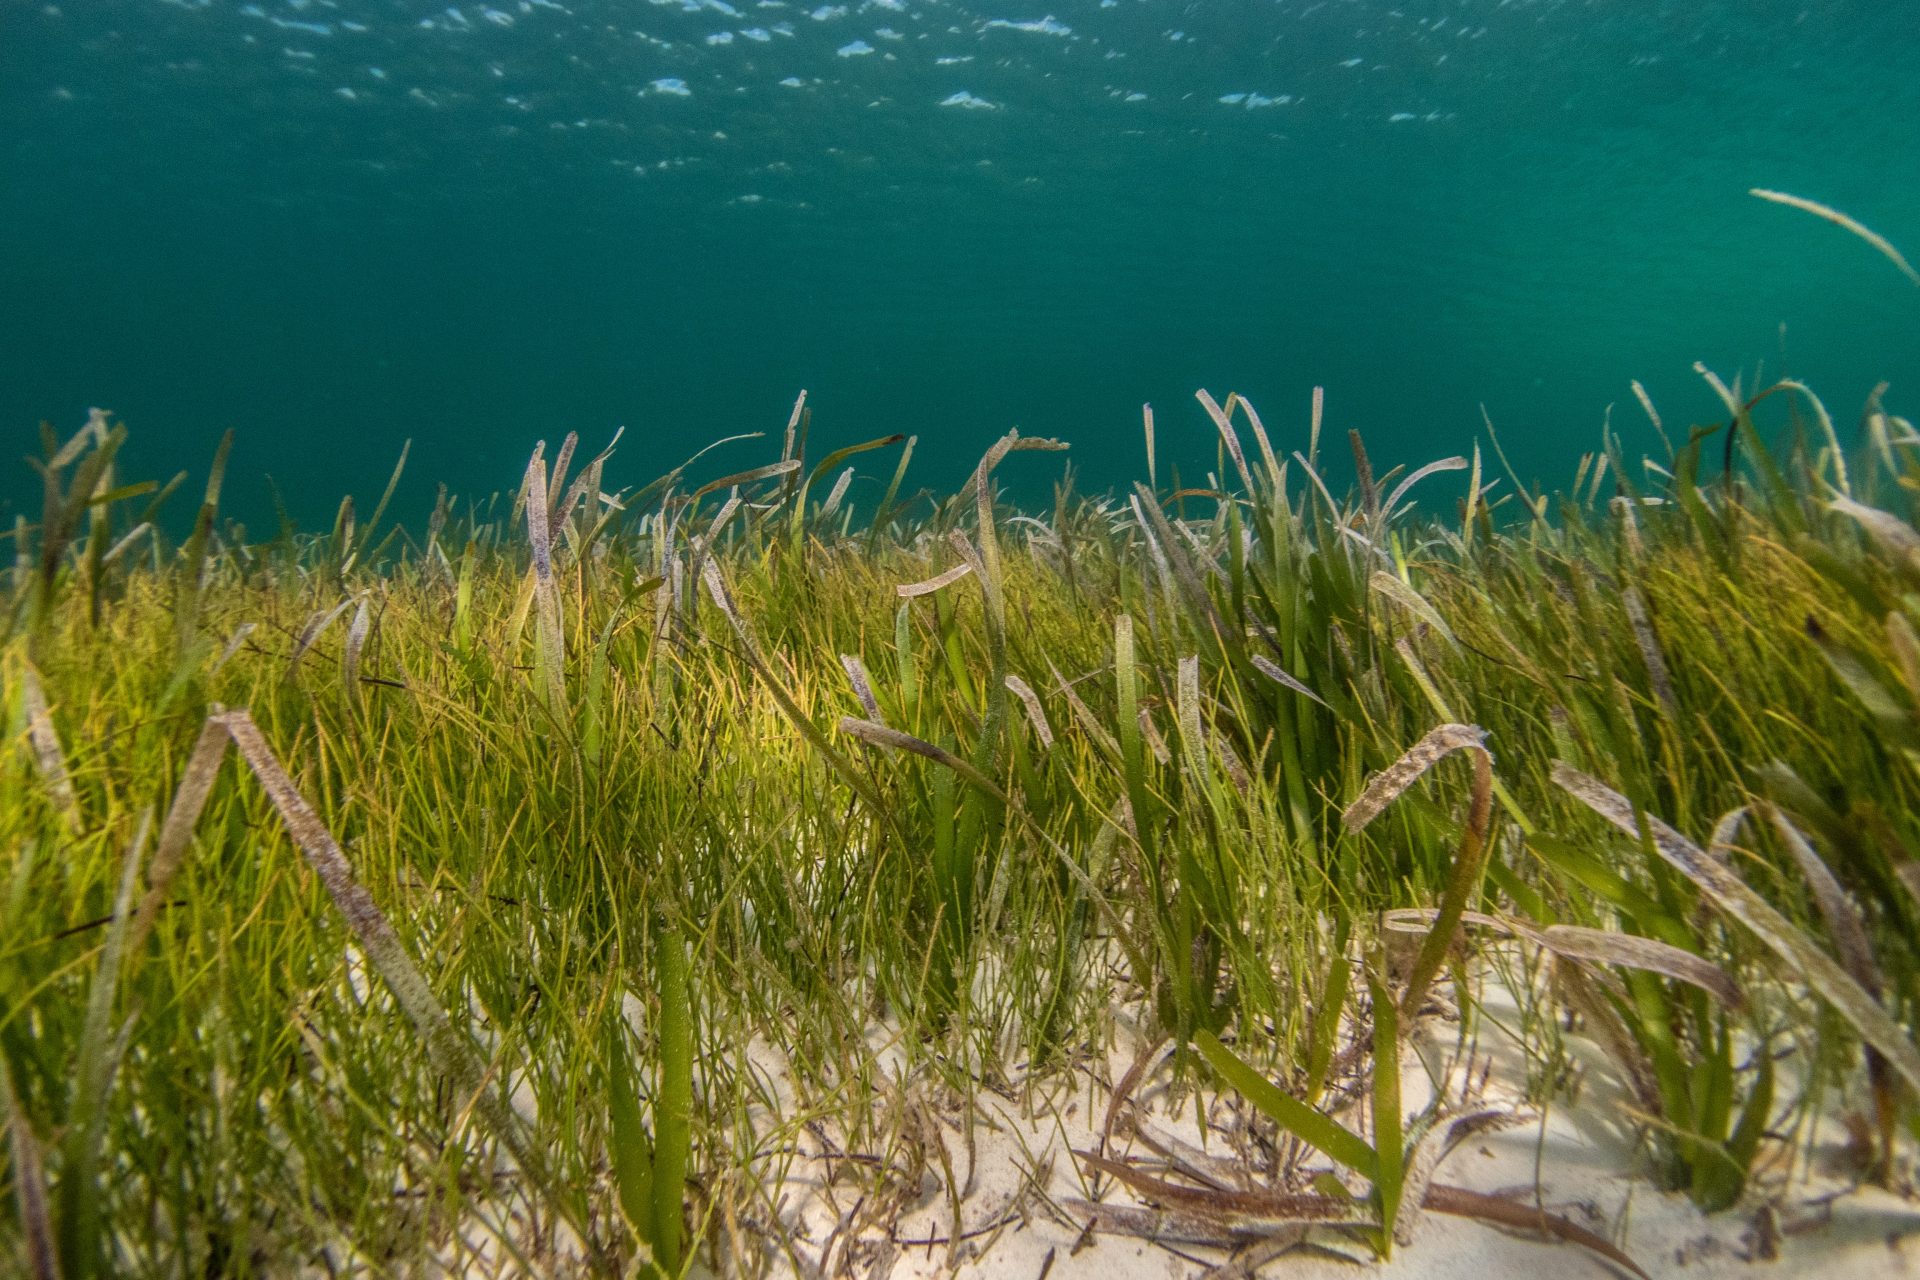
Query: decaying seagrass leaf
point(989, 554)
point(1880, 428)
point(1834, 453)
point(1649, 645)
point(1190, 1161)
point(1363, 476)
point(1599, 946)
point(549, 647)
point(1146, 418)
point(1123, 1091)
point(589, 479)
point(1168, 1226)
point(908, 590)
point(1306, 467)
point(451, 1052)
point(881, 735)
point(1582, 991)
point(1728, 892)
point(1250, 1258)
point(1469, 860)
point(1239, 1209)
point(1275, 475)
point(1084, 714)
point(862, 686)
point(969, 554)
point(176, 830)
point(1720, 845)
point(1729, 396)
point(1842, 221)
point(48, 756)
point(1905, 644)
point(753, 475)
point(1222, 1217)
point(126, 541)
point(1389, 783)
point(356, 641)
point(1653, 415)
point(1629, 527)
point(1500, 1211)
point(1186, 704)
point(1592, 946)
point(1272, 671)
point(1174, 559)
point(1228, 435)
point(101, 1049)
point(1152, 541)
point(310, 634)
point(1412, 601)
point(1035, 712)
point(29, 1184)
point(1842, 916)
point(1429, 1150)
point(1236, 769)
point(1151, 732)
point(561, 463)
point(793, 426)
point(1432, 468)
point(234, 641)
point(1907, 872)
point(1895, 536)
point(1849, 931)
point(837, 494)
point(702, 545)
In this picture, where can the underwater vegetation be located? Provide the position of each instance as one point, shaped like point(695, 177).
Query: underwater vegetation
point(414, 896)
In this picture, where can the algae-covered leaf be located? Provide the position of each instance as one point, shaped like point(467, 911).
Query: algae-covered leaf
point(1272, 670)
point(881, 735)
point(1630, 951)
point(1727, 892)
point(29, 1183)
point(1387, 785)
point(908, 590)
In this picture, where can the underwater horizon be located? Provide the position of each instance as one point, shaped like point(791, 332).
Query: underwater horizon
point(335, 226)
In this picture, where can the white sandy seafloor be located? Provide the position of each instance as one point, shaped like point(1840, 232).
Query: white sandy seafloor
point(885, 1209)
point(1799, 1217)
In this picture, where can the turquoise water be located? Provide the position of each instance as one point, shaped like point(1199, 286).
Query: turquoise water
point(333, 226)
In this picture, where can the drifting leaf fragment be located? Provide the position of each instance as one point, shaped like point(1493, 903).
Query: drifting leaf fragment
point(1842, 221)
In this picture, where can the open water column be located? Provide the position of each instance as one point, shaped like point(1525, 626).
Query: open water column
point(337, 224)
point(1242, 862)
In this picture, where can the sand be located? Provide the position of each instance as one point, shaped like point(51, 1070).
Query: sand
point(1019, 1183)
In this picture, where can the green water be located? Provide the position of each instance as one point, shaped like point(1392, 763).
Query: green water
point(333, 226)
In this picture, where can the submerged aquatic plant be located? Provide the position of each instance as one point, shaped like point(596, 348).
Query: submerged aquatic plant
point(593, 787)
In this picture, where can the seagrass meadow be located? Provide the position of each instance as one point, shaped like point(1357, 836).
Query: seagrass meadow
point(537, 885)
